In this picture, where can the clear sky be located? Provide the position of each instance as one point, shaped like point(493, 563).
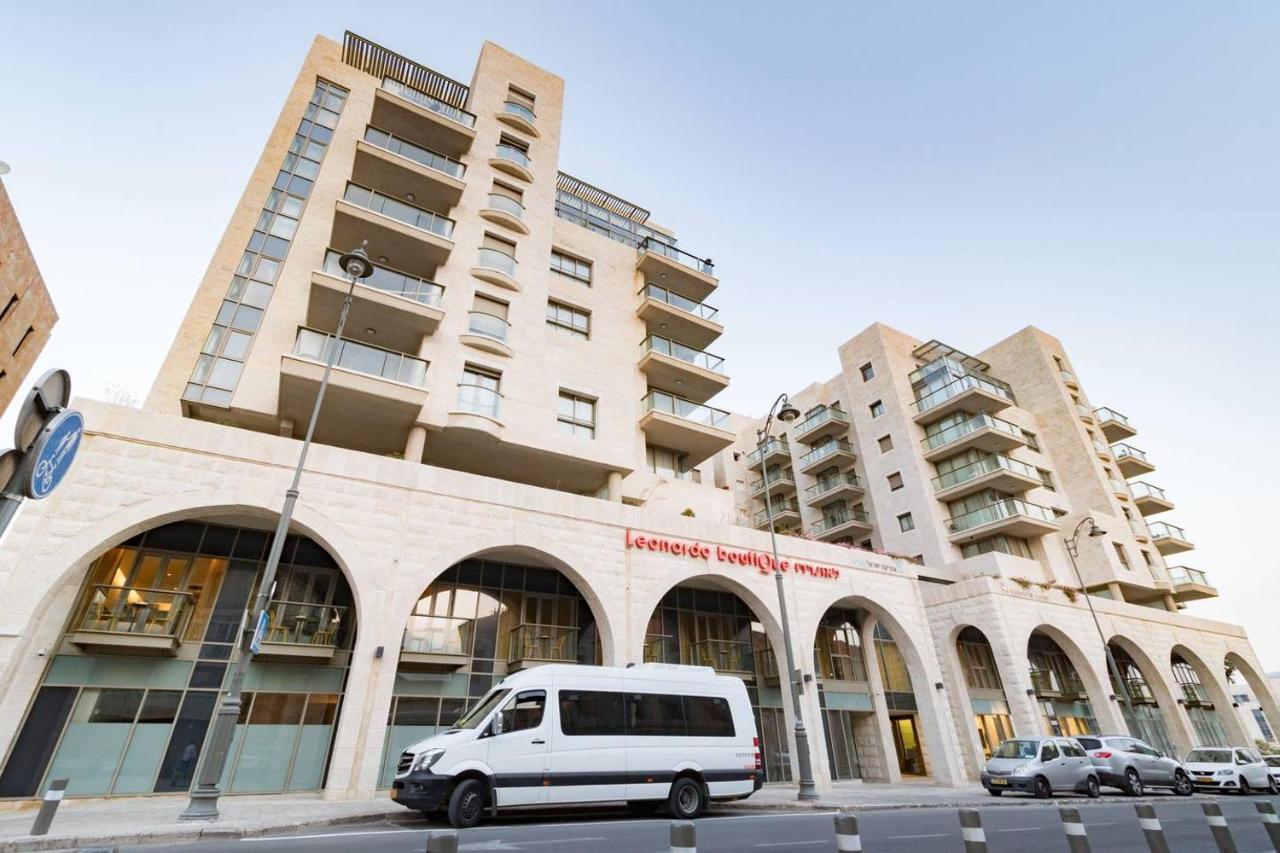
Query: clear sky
point(1106, 171)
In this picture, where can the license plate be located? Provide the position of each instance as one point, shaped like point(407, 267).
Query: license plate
point(998, 781)
point(395, 793)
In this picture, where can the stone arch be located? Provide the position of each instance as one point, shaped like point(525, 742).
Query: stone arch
point(1259, 686)
point(1160, 680)
point(1214, 681)
point(1091, 670)
point(963, 698)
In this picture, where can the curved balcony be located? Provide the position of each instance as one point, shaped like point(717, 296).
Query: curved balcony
point(132, 619)
point(979, 432)
point(969, 393)
point(506, 212)
point(497, 268)
point(676, 269)
point(427, 120)
point(825, 422)
point(1010, 516)
point(1131, 461)
point(394, 229)
point(512, 160)
point(837, 452)
point(487, 332)
point(401, 308)
point(1114, 426)
point(776, 450)
point(996, 471)
point(684, 426)
point(842, 486)
point(386, 160)
point(666, 312)
point(520, 117)
point(668, 364)
point(1169, 538)
point(1149, 499)
point(846, 522)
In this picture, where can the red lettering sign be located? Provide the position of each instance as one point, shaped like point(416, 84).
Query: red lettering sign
point(761, 562)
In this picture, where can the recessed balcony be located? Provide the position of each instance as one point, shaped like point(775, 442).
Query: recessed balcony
point(497, 268)
point(506, 212)
point(1120, 488)
point(1149, 499)
point(512, 160)
point(968, 393)
point(697, 375)
point(727, 657)
point(132, 620)
point(845, 522)
point(1169, 538)
point(836, 452)
point(529, 645)
point(487, 332)
point(1131, 461)
point(520, 117)
point(436, 643)
point(400, 308)
point(669, 314)
point(684, 426)
point(1114, 426)
point(1010, 516)
point(302, 631)
point(676, 270)
point(776, 451)
point(426, 120)
point(824, 422)
point(845, 486)
point(1069, 379)
point(1085, 413)
point(1102, 449)
point(977, 432)
point(412, 237)
point(1191, 584)
point(996, 471)
point(786, 514)
point(386, 160)
point(778, 481)
point(1050, 683)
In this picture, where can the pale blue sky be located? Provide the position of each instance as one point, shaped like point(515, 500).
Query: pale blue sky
point(1106, 171)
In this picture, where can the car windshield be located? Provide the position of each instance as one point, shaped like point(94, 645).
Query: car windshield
point(476, 715)
point(1209, 756)
point(1272, 760)
point(1017, 749)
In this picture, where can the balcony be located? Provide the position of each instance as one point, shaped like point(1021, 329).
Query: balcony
point(1138, 690)
point(845, 522)
point(1048, 683)
point(412, 237)
point(684, 426)
point(518, 116)
point(776, 450)
point(530, 645)
point(675, 269)
point(436, 643)
point(1149, 499)
point(133, 620)
point(1191, 584)
point(827, 421)
point(1195, 696)
point(1139, 528)
point(1069, 379)
point(1085, 413)
point(487, 332)
point(665, 312)
point(840, 487)
point(384, 386)
point(505, 211)
point(402, 309)
point(696, 374)
point(727, 657)
point(1114, 426)
point(1120, 488)
point(386, 160)
point(1010, 516)
point(299, 630)
point(428, 121)
point(786, 514)
point(837, 452)
point(996, 471)
point(780, 481)
point(477, 414)
point(1102, 449)
point(977, 432)
point(968, 393)
point(1131, 461)
point(1169, 538)
point(512, 160)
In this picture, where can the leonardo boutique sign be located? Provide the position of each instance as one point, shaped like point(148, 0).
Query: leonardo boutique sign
point(757, 560)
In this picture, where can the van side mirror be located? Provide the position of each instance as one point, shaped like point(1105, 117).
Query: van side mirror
point(496, 725)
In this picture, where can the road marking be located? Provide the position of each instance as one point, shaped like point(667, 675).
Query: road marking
point(791, 843)
point(565, 840)
point(332, 834)
point(1024, 829)
point(931, 835)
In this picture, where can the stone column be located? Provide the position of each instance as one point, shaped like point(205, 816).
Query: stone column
point(615, 486)
point(887, 752)
point(416, 443)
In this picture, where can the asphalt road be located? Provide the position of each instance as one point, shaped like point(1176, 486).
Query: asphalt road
point(1033, 827)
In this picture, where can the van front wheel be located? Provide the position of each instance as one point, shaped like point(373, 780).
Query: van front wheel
point(466, 805)
point(685, 800)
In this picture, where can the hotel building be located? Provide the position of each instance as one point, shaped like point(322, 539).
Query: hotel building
point(518, 462)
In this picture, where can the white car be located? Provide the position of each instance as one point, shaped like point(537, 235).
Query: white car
point(1273, 762)
point(1240, 769)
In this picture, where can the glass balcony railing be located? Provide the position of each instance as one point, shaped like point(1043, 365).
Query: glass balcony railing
point(390, 281)
point(416, 153)
point(999, 511)
point(1125, 451)
point(827, 484)
point(1084, 411)
point(675, 300)
point(520, 110)
point(1105, 415)
point(696, 357)
point(775, 475)
point(1195, 694)
point(1142, 489)
point(817, 419)
point(960, 385)
point(500, 261)
point(1139, 528)
point(489, 325)
point(984, 466)
point(479, 400)
point(660, 401)
point(436, 105)
point(1185, 574)
point(832, 520)
point(506, 205)
point(546, 643)
point(416, 217)
point(780, 508)
point(955, 432)
point(824, 451)
point(1120, 487)
point(301, 623)
point(138, 610)
point(772, 446)
point(516, 155)
point(680, 256)
point(1165, 530)
point(438, 635)
point(732, 656)
point(362, 358)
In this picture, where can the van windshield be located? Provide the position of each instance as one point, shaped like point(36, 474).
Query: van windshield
point(476, 715)
point(1017, 749)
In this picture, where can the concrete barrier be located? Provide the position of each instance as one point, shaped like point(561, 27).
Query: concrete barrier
point(1151, 828)
point(442, 841)
point(683, 837)
point(49, 807)
point(847, 838)
point(975, 840)
point(1073, 826)
point(1218, 826)
point(1271, 821)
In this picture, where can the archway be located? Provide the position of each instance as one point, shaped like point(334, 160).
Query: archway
point(1060, 689)
point(1144, 701)
point(133, 677)
point(1207, 706)
point(1266, 714)
point(987, 700)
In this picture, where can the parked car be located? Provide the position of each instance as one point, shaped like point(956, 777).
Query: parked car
point(1133, 766)
point(1222, 768)
point(646, 735)
point(1273, 762)
point(1040, 766)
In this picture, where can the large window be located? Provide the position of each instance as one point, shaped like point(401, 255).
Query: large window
point(576, 415)
point(667, 463)
point(567, 319)
point(571, 268)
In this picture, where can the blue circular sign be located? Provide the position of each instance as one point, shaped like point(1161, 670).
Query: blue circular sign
point(53, 452)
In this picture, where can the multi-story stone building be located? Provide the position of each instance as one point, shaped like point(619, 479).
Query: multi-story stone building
point(27, 314)
point(517, 464)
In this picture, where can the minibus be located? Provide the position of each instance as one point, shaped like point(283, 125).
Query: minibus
point(647, 735)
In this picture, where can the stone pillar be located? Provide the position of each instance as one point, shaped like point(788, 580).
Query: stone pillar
point(615, 486)
point(286, 427)
point(884, 746)
point(416, 443)
point(1170, 603)
point(1117, 594)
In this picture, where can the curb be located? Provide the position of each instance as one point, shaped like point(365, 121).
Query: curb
point(819, 805)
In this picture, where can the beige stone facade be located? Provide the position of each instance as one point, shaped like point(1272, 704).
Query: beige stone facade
point(27, 315)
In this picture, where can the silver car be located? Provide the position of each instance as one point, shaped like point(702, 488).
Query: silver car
point(1133, 766)
point(1040, 766)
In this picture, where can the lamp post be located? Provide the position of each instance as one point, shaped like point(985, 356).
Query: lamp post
point(1073, 551)
point(786, 412)
point(204, 796)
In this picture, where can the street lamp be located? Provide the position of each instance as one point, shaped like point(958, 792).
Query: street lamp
point(1073, 551)
point(204, 796)
point(786, 413)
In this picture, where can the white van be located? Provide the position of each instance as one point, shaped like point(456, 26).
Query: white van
point(559, 734)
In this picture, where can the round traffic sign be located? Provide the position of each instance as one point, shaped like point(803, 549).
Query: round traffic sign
point(51, 392)
point(53, 452)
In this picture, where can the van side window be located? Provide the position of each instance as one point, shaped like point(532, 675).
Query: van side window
point(1049, 752)
point(708, 716)
point(655, 714)
point(524, 712)
point(591, 712)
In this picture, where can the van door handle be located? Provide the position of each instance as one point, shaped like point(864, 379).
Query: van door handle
point(538, 740)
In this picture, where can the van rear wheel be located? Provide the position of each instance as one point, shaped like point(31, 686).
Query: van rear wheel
point(685, 800)
point(466, 804)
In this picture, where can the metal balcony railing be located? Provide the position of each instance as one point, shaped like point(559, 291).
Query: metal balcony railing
point(436, 105)
point(661, 401)
point(362, 358)
point(1125, 451)
point(1195, 695)
point(520, 110)
point(500, 261)
point(137, 610)
point(390, 281)
point(1143, 489)
point(960, 385)
point(772, 446)
point(827, 484)
point(1105, 415)
point(957, 431)
point(830, 521)
point(479, 400)
point(779, 508)
point(684, 303)
point(998, 511)
point(507, 205)
point(984, 466)
point(416, 217)
point(687, 354)
point(489, 325)
point(680, 256)
point(516, 155)
point(438, 635)
point(422, 156)
point(731, 656)
point(302, 623)
point(823, 451)
point(1188, 575)
point(547, 643)
point(1165, 530)
point(817, 419)
point(778, 475)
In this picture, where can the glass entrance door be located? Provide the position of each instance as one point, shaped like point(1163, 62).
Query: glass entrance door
point(907, 744)
point(841, 747)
